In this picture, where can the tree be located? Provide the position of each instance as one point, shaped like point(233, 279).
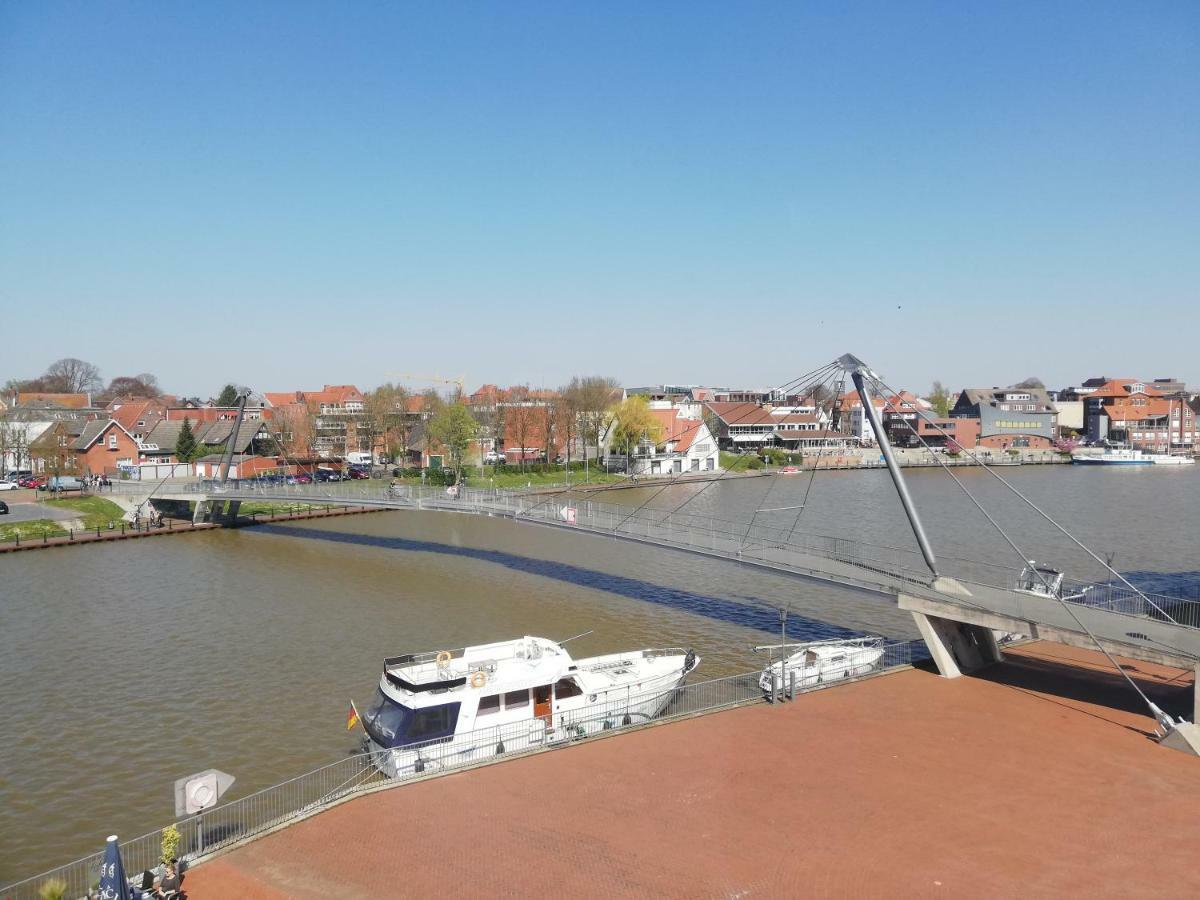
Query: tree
point(454, 428)
point(521, 421)
point(185, 444)
point(566, 422)
point(230, 393)
point(591, 397)
point(144, 385)
point(631, 423)
point(385, 419)
point(939, 397)
point(70, 376)
point(1030, 383)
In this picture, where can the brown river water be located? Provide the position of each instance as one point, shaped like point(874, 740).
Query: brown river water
point(125, 666)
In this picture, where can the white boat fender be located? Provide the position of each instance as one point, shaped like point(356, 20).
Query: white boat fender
point(443, 659)
point(478, 679)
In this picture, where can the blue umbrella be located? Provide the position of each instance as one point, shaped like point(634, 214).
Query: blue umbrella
point(113, 884)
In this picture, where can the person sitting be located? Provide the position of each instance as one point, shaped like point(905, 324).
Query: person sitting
point(168, 885)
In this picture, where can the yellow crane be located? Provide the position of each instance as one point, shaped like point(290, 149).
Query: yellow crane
point(459, 382)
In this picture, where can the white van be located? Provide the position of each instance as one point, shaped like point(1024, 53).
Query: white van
point(358, 459)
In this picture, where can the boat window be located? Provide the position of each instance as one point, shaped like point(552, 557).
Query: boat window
point(516, 699)
point(565, 688)
point(489, 705)
point(433, 722)
point(385, 720)
point(840, 658)
point(392, 724)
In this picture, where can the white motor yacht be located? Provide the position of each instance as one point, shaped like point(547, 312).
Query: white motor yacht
point(816, 662)
point(441, 710)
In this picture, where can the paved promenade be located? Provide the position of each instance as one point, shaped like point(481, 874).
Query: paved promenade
point(1038, 779)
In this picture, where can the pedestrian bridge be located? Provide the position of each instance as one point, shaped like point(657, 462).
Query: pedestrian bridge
point(1126, 622)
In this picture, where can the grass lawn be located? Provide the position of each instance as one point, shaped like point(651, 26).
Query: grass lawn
point(96, 512)
point(537, 479)
point(34, 528)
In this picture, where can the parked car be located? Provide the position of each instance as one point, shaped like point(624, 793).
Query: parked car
point(299, 478)
point(58, 483)
point(494, 457)
point(35, 481)
point(8, 485)
point(3, 508)
point(356, 473)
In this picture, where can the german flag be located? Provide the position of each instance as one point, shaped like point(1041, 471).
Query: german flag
point(352, 719)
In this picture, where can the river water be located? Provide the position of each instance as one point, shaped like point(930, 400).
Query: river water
point(126, 666)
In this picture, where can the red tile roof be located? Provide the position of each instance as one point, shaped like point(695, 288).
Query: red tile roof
point(1117, 387)
point(69, 401)
point(676, 428)
point(1129, 411)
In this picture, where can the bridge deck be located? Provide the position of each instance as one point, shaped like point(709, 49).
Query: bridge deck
point(1122, 618)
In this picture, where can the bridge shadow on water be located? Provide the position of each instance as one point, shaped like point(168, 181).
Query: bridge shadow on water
point(764, 617)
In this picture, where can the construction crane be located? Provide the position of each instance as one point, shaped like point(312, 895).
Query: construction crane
point(460, 381)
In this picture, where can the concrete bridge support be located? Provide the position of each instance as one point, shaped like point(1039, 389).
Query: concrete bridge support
point(956, 647)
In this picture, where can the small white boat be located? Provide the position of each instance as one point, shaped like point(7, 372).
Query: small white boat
point(1044, 581)
point(1038, 581)
point(816, 662)
point(1172, 459)
point(441, 710)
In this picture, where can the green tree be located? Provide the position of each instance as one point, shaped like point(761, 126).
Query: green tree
point(185, 444)
point(230, 393)
point(454, 427)
point(631, 422)
point(940, 398)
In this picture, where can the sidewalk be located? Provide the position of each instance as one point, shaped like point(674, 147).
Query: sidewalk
point(1037, 780)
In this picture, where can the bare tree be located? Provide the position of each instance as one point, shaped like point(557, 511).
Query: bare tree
point(566, 422)
point(592, 396)
point(144, 385)
point(71, 376)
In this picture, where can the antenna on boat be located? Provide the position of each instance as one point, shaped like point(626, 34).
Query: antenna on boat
point(585, 634)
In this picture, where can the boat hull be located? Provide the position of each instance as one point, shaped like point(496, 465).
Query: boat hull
point(617, 707)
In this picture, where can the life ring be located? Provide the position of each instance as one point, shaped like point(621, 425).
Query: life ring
point(478, 679)
point(443, 658)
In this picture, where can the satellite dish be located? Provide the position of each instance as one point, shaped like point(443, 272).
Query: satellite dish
point(201, 791)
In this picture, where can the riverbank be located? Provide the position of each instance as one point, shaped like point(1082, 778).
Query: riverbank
point(902, 785)
point(125, 532)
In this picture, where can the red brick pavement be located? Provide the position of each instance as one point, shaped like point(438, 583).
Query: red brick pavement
point(1036, 780)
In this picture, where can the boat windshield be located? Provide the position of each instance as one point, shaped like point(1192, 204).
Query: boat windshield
point(391, 724)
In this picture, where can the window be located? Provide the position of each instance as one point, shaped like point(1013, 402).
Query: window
point(489, 704)
point(516, 699)
point(433, 722)
point(566, 688)
point(112, 442)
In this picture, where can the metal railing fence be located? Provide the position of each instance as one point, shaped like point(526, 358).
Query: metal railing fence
point(313, 791)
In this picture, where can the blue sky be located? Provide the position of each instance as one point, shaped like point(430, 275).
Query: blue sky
point(289, 194)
